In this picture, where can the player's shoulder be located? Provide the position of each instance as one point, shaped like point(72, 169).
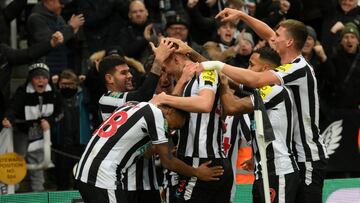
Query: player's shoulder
point(269, 91)
point(297, 63)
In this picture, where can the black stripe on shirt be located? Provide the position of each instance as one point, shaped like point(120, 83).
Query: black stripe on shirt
point(110, 143)
point(294, 76)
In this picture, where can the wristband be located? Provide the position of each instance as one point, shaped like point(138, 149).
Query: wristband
point(213, 65)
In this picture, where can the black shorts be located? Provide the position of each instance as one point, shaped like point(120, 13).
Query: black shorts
point(141, 196)
point(92, 194)
point(193, 190)
point(283, 188)
point(311, 184)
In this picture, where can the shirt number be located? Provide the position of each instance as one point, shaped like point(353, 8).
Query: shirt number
point(109, 127)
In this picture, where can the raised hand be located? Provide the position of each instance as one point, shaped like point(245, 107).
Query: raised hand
point(183, 48)
point(206, 173)
point(76, 21)
point(229, 14)
point(56, 39)
point(163, 51)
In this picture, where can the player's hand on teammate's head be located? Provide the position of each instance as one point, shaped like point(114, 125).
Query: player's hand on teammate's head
point(158, 99)
point(188, 71)
point(183, 48)
point(206, 173)
point(163, 50)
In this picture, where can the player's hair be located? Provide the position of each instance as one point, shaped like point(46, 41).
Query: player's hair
point(107, 65)
point(178, 115)
point(297, 30)
point(68, 74)
point(270, 55)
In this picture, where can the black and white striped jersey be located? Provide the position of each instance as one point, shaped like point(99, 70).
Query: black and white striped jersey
point(201, 135)
point(110, 101)
point(280, 158)
point(299, 77)
point(237, 128)
point(119, 143)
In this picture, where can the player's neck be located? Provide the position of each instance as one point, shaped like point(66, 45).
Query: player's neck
point(113, 88)
point(289, 56)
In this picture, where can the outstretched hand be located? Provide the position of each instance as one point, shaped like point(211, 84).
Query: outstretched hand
point(229, 14)
point(206, 173)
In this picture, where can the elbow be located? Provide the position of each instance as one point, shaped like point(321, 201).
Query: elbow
point(230, 110)
point(206, 107)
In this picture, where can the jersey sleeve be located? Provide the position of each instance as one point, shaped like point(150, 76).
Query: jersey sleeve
point(290, 74)
point(208, 79)
point(270, 95)
point(157, 125)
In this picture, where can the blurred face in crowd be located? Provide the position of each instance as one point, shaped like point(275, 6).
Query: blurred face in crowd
point(165, 84)
point(350, 43)
point(120, 79)
point(67, 83)
point(309, 45)
point(137, 12)
point(178, 31)
point(256, 64)
point(245, 47)
point(348, 5)
point(226, 32)
point(54, 6)
point(282, 41)
point(39, 83)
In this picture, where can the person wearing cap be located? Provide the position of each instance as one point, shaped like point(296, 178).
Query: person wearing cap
point(32, 110)
point(44, 20)
point(223, 47)
point(177, 26)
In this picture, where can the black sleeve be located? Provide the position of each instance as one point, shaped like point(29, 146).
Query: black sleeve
point(200, 21)
point(131, 44)
point(16, 106)
point(57, 108)
point(14, 9)
point(146, 91)
point(24, 56)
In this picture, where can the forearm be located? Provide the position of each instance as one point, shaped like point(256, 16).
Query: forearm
point(23, 56)
point(190, 104)
point(147, 89)
point(156, 67)
point(178, 166)
point(242, 76)
point(196, 57)
point(260, 28)
point(179, 88)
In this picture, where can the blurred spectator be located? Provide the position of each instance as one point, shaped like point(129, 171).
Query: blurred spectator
point(102, 16)
point(31, 111)
point(132, 37)
point(177, 27)
point(272, 12)
point(10, 57)
point(7, 14)
point(44, 20)
point(73, 131)
point(343, 12)
point(244, 46)
point(223, 48)
point(343, 98)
